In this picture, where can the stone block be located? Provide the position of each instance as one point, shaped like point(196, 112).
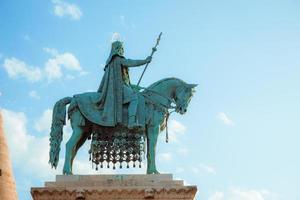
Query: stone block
point(111, 187)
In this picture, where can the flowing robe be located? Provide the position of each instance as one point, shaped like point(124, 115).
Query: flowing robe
point(111, 89)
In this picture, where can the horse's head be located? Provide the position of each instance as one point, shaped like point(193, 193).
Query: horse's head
point(183, 95)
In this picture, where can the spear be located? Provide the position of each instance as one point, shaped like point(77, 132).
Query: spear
point(153, 50)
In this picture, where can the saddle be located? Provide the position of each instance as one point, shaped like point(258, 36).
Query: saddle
point(113, 145)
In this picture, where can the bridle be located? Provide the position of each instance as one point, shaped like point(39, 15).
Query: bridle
point(168, 108)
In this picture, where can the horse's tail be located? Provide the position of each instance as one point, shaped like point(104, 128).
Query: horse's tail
point(56, 134)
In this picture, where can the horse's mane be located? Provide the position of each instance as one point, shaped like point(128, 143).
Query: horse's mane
point(155, 84)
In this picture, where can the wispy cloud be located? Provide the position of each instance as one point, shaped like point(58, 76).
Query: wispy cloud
point(176, 130)
point(51, 51)
point(204, 168)
point(30, 153)
point(236, 193)
point(164, 157)
point(183, 151)
point(19, 69)
point(125, 23)
point(53, 68)
point(43, 124)
point(217, 196)
point(65, 9)
point(225, 119)
point(33, 94)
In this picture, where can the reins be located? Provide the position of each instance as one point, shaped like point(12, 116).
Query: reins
point(166, 108)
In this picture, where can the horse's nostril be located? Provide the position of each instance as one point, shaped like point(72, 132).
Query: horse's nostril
point(184, 110)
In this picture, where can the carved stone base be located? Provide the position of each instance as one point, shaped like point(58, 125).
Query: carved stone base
point(125, 187)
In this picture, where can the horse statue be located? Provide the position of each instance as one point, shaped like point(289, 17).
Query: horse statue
point(159, 99)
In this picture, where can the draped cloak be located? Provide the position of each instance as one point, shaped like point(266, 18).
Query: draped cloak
point(111, 92)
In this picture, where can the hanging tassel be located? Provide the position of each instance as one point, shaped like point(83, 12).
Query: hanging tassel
point(127, 165)
point(134, 164)
point(167, 131)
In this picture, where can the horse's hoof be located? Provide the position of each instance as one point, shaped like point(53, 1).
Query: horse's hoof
point(153, 172)
point(67, 173)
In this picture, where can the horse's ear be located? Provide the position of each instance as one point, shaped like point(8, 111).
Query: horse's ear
point(192, 85)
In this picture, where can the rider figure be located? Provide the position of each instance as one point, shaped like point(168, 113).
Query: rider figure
point(116, 89)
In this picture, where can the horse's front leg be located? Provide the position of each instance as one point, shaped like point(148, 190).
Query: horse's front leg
point(152, 134)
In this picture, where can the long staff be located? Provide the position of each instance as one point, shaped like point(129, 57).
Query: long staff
point(153, 50)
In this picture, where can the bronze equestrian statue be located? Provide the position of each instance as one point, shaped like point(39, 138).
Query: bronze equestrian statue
point(121, 118)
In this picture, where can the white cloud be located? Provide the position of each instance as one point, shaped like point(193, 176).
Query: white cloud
point(53, 67)
point(53, 70)
point(83, 73)
point(237, 193)
point(125, 23)
point(18, 69)
point(179, 170)
point(63, 8)
point(200, 168)
point(176, 129)
point(217, 196)
point(33, 94)
point(183, 151)
point(164, 157)
point(208, 169)
point(30, 153)
point(248, 194)
point(225, 119)
point(68, 61)
point(44, 122)
point(15, 129)
point(51, 51)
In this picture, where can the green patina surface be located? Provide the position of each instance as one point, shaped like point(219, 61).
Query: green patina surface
point(117, 112)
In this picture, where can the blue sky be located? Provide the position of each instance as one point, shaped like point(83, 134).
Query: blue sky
point(239, 138)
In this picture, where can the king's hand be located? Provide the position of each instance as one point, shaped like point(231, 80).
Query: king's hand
point(148, 59)
point(136, 88)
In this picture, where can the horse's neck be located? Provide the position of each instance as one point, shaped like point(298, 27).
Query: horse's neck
point(166, 88)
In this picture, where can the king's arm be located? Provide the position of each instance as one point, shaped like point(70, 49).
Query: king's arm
point(135, 63)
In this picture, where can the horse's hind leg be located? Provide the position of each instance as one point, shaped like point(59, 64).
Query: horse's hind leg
point(71, 145)
point(71, 149)
point(82, 140)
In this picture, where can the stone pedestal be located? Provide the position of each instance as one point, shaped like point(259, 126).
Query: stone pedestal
point(125, 187)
